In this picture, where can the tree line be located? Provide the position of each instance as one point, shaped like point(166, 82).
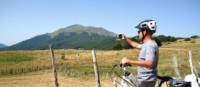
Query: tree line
point(159, 40)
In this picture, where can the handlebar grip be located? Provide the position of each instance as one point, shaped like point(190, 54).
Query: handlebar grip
point(125, 65)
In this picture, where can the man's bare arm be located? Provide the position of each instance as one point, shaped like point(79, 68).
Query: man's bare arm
point(146, 63)
point(133, 43)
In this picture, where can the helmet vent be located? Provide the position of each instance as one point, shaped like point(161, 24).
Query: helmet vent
point(143, 25)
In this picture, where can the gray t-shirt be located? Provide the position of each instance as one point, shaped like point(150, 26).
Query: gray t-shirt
point(149, 51)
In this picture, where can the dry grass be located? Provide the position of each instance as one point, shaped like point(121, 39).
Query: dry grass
point(43, 79)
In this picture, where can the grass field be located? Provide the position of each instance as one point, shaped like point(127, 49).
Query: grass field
point(32, 68)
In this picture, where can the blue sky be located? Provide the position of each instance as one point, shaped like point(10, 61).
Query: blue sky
point(24, 19)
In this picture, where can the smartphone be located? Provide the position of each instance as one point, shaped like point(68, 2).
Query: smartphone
point(120, 36)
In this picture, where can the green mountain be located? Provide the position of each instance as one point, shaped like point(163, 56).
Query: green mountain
point(71, 37)
point(89, 29)
point(2, 45)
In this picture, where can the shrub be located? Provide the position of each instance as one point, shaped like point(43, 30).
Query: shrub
point(187, 39)
point(164, 38)
point(194, 36)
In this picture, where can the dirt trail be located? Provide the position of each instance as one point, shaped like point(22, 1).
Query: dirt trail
point(43, 79)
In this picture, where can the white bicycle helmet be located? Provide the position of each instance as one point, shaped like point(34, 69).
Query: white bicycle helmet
point(148, 24)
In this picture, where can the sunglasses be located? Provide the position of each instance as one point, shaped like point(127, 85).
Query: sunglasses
point(141, 30)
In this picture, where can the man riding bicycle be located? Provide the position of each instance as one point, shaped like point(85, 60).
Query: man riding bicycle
point(148, 56)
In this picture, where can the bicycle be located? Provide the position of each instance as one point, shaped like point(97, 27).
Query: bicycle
point(122, 77)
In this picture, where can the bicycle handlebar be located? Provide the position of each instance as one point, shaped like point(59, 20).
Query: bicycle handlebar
point(125, 65)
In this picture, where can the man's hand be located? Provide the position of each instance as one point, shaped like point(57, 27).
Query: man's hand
point(125, 61)
point(121, 37)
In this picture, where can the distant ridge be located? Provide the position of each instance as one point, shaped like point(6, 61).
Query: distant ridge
point(2, 45)
point(72, 37)
point(80, 28)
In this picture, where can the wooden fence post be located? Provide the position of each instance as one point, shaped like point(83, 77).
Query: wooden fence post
point(176, 68)
point(190, 62)
point(96, 70)
point(53, 67)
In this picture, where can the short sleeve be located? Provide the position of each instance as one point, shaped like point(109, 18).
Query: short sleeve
point(150, 53)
